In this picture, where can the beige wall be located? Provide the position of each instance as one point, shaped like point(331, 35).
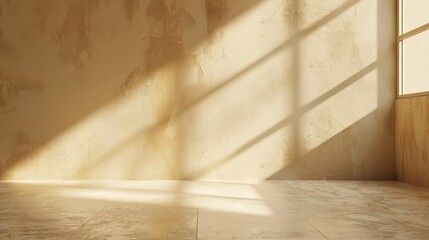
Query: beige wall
point(214, 89)
point(412, 140)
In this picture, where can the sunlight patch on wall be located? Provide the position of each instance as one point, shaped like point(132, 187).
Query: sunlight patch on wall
point(339, 111)
point(214, 90)
point(109, 142)
point(329, 69)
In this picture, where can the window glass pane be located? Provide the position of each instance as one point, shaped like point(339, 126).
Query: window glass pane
point(415, 13)
point(415, 65)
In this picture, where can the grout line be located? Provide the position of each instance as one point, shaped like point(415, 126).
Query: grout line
point(83, 225)
point(296, 211)
point(313, 226)
point(198, 209)
point(198, 213)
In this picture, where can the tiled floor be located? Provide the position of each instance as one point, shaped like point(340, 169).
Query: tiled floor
point(213, 210)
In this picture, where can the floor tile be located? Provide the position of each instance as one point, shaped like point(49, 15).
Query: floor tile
point(367, 226)
point(152, 224)
point(242, 205)
point(213, 210)
point(56, 205)
point(404, 204)
point(334, 206)
point(215, 225)
point(41, 225)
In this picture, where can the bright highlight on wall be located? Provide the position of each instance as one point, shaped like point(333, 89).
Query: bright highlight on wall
point(229, 89)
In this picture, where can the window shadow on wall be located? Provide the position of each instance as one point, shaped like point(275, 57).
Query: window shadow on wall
point(164, 48)
point(43, 103)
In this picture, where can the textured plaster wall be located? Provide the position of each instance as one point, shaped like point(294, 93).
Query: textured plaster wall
point(214, 89)
point(412, 140)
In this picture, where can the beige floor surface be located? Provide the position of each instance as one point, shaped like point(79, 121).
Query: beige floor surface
point(213, 210)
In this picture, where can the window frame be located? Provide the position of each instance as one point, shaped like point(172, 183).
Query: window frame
point(400, 37)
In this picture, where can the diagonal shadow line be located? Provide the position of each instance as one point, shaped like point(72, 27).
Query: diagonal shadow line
point(282, 123)
point(311, 158)
point(295, 38)
point(246, 6)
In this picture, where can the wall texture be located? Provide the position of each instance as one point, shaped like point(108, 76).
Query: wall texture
point(197, 89)
point(412, 140)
